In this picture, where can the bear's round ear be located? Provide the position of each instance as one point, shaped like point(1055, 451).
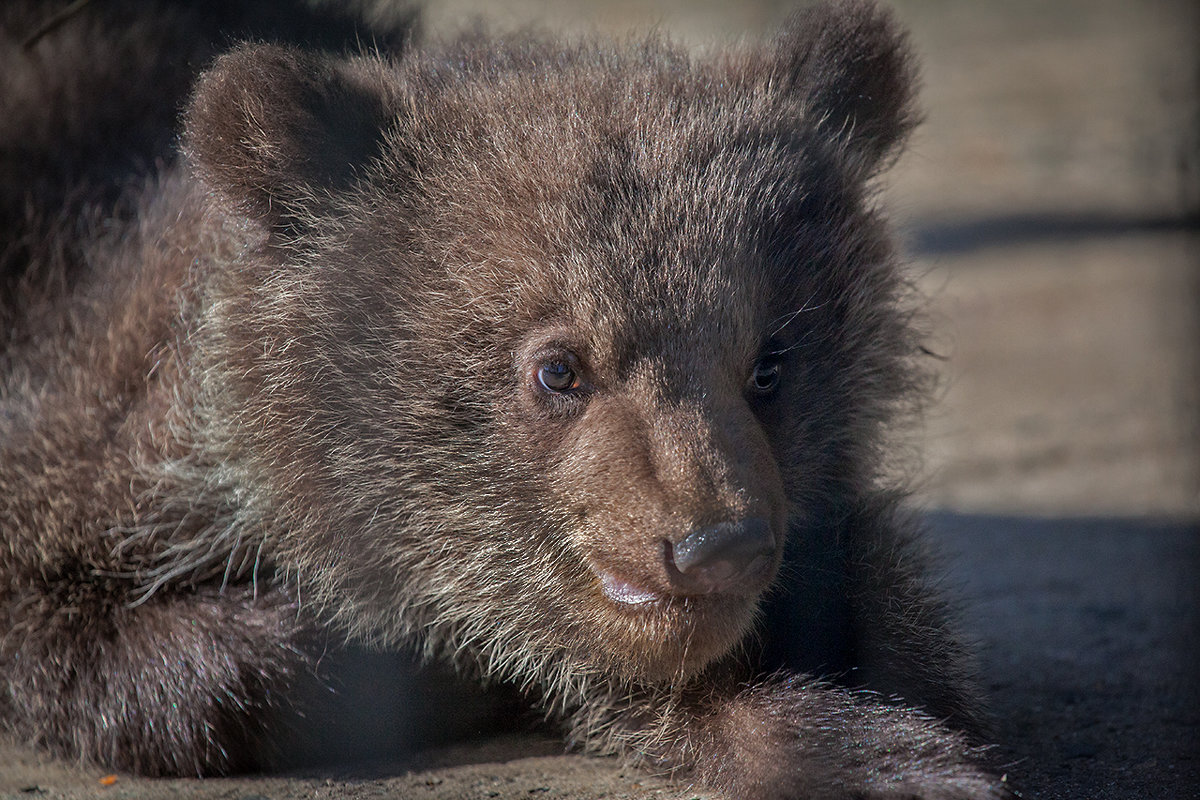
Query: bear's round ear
point(852, 67)
point(272, 129)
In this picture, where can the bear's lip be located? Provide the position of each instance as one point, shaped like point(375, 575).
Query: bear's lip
point(625, 593)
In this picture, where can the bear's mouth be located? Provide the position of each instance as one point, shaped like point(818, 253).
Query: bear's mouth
point(623, 592)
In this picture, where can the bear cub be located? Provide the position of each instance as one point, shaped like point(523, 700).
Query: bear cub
point(568, 365)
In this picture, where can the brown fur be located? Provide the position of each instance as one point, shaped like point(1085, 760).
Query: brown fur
point(297, 390)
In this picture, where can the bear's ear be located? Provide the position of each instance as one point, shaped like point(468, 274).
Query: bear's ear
point(852, 66)
point(273, 129)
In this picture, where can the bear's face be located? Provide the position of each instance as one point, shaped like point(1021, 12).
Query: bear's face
point(548, 350)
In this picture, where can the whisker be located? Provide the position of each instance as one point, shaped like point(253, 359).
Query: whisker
point(787, 319)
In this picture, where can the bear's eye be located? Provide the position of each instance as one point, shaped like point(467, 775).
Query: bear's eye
point(765, 377)
point(557, 376)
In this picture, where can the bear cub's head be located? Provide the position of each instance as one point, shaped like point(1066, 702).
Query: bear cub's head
point(538, 352)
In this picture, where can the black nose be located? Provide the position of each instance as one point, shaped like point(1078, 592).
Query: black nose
point(721, 558)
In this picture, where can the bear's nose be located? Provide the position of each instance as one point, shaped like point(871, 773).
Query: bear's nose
point(721, 558)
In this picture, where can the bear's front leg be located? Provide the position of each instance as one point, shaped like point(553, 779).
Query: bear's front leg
point(790, 737)
point(859, 606)
point(180, 684)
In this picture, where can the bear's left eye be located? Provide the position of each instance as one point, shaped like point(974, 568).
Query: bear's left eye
point(557, 376)
point(765, 377)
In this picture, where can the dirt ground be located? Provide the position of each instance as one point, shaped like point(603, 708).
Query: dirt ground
point(1051, 205)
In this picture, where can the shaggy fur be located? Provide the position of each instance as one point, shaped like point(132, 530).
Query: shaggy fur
point(302, 388)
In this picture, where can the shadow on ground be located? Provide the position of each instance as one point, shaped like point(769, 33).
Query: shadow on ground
point(1090, 644)
point(1089, 633)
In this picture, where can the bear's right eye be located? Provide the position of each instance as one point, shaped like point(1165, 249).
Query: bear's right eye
point(765, 377)
point(557, 376)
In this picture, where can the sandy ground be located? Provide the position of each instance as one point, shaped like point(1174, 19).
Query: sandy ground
point(1050, 203)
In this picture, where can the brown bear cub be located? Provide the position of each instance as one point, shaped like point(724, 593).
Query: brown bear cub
point(568, 365)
